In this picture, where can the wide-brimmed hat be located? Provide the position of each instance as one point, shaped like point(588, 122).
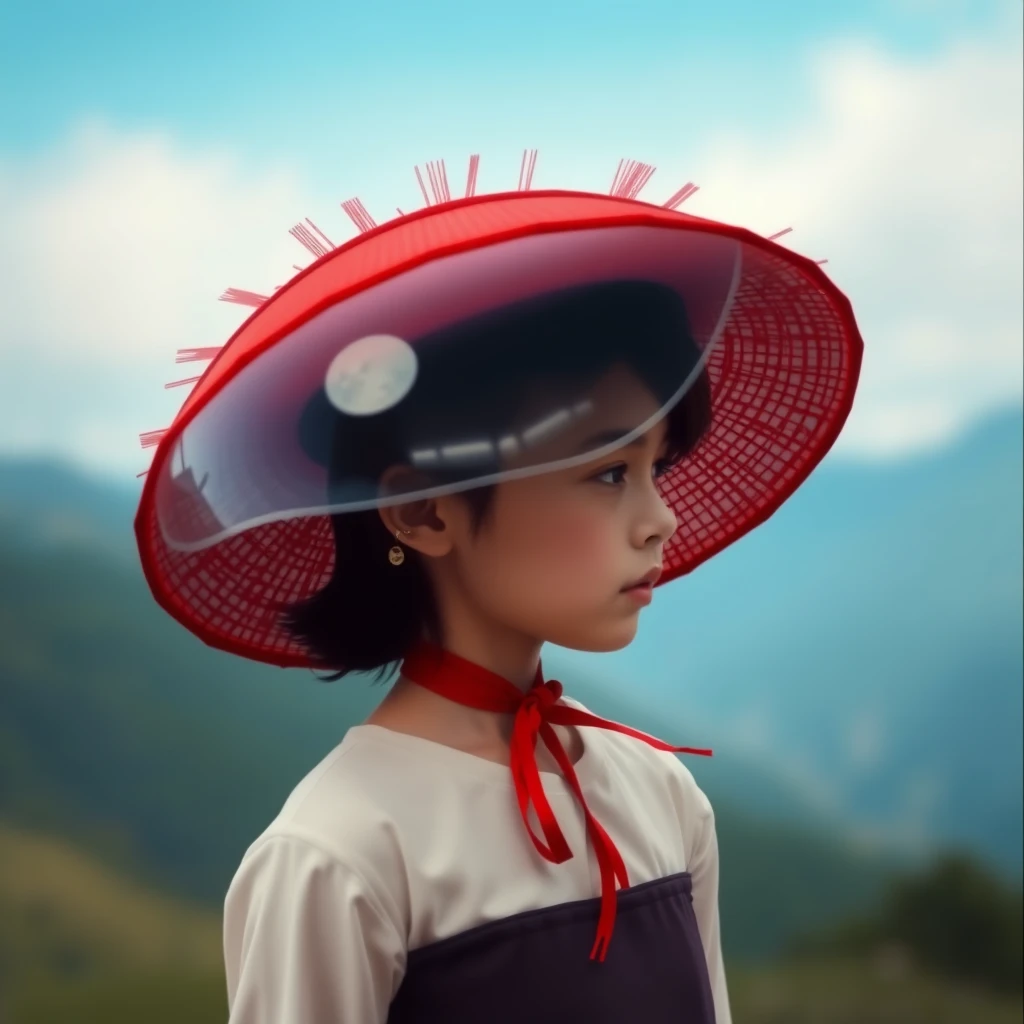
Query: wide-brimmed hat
point(478, 340)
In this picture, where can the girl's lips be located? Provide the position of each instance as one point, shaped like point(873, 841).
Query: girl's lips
point(648, 580)
point(642, 592)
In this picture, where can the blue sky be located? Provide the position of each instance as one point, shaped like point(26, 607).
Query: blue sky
point(272, 77)
point(153, 154)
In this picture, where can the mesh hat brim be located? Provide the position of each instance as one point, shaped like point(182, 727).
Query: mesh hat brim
point(782, 376)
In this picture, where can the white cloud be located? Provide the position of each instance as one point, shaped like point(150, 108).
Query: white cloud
point(908, 179)
point(115, 251)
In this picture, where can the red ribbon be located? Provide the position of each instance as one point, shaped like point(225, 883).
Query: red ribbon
point(536, 712)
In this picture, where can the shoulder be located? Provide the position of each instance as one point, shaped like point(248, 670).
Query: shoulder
point(339, 821)
point(304, 914)
point(661, 769)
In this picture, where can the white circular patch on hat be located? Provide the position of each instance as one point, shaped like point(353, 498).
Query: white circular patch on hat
point(371, 375)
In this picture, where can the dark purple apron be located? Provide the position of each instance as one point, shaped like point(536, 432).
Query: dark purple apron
point(534, 967)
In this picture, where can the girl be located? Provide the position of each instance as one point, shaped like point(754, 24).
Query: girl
point(491, 424)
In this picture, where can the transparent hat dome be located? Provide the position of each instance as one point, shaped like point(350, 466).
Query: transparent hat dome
point(519, 357)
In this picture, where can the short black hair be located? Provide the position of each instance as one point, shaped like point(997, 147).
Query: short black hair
point(370, 612)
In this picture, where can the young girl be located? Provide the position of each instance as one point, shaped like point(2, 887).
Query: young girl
point(491, 424)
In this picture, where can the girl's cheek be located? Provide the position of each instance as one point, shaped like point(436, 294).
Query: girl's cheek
point(570, 541)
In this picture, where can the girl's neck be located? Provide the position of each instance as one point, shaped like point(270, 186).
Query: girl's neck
point(514, 658)
point(469, 632)
point(411, 708)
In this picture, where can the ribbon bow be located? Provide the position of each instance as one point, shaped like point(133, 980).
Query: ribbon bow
point(536, 712)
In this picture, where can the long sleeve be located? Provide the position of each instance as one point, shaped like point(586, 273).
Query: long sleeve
point(704, 874)
point(306, 941)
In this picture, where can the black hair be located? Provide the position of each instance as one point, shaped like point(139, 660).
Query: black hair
point(370, 612)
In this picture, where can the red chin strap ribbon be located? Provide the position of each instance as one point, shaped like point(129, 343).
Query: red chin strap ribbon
point(535, 712)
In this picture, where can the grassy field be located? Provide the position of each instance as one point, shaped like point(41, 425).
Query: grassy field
point(73, 931)
point(852, 992)
point(79, 945)
point(824, 993)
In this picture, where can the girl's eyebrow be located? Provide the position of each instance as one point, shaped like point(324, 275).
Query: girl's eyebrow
point(610, 436)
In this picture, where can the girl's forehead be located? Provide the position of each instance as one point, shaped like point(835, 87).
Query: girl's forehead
point(612, 408)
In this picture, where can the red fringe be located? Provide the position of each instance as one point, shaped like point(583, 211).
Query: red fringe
point(358, 214)
point(681, 196)
point(320, 233)
point(419, 178)
point(437, 175)
point(243, 298)
point(630, 178)
point(306, 237)
point(526, 169)
point(474, 165)
point(151, 438)
point(196, 355)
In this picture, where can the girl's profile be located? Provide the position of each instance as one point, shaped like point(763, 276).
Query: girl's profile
point(494, 423)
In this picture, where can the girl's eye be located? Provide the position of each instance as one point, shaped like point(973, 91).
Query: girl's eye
point(616, 473)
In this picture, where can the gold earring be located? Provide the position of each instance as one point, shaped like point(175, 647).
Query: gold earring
point(396, 556)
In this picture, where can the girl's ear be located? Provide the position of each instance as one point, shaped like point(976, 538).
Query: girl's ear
point(421, 524)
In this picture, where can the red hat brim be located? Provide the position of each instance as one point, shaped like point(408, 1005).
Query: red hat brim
point(783, 378)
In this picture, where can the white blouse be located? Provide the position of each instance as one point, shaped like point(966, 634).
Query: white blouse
point(392, 843)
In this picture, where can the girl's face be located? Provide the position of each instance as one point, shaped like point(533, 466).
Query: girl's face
point(555, 556)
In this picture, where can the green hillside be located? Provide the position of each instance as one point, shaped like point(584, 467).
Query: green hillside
point(166, 759)
point(80, 945)
point(70, 926)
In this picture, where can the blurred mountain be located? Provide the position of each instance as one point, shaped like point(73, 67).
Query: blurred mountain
point(73, 934)
point(854, 662)
point(47, 502)
point(78, 943)
point(165, 759)
point(866, 641)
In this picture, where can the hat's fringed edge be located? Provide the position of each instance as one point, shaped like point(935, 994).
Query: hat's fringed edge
point(359, 215)
point(786, 231)
point(437, 175)
point(318, 246)
point(312, 238)
point(630, 178)
point(471, 174)
point(241, 297)
point(196, 355)
point(680, 197)
point(151, 438)
point(526, 169)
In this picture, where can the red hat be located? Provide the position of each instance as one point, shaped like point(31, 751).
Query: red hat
point(414, 341)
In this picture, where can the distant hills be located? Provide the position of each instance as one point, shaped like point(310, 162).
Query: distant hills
point(866, 642)
point(856, 663)
point(80, 944)
point(165, 759)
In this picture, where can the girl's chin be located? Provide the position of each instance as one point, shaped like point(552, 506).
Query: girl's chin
point(600, 641)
